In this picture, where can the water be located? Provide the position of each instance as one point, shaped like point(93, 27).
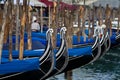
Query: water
point(106, 68)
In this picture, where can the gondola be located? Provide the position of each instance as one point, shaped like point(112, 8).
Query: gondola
point(26, 72)
point(115, 39)
point(105, 41)
point(118, 38)
point(36, 43)
point(105, 44)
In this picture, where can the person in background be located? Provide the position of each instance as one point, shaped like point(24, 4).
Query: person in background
point(34, 17)
point(35, 27)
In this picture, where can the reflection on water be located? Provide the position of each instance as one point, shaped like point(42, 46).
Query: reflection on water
point(106, 68)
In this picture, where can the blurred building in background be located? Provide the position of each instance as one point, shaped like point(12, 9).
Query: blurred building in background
point(112, 3)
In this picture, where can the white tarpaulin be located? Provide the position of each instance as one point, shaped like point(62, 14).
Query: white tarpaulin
point(33, 3)
point(37, 3)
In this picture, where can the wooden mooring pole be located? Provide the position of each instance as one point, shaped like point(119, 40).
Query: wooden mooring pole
point(54, 24)
point(17, 25)
point(28, 24)
point(41, 18)
point(118, 15)
point(11, 18)
point(2, 30)
point(108, 18)
point(68, 74)
point(23, 22)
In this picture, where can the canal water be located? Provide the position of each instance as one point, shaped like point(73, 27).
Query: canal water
point(106, 68)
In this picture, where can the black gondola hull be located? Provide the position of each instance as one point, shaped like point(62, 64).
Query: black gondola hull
point(76, 62)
